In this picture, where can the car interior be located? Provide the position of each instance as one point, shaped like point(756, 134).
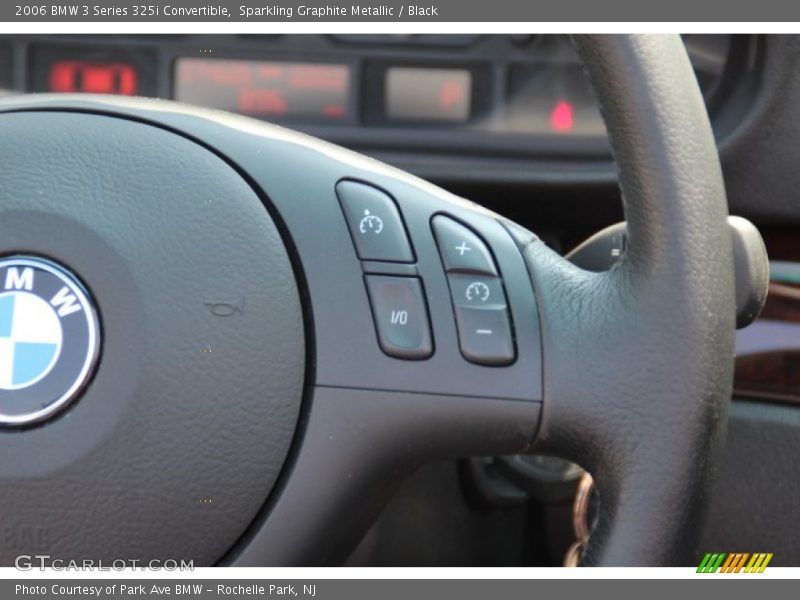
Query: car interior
point(253, 402)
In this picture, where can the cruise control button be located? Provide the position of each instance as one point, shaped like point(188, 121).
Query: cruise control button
point(401, 316)
point(476, 291)
point(460, 248)
point(375, 223)
point(484, 335)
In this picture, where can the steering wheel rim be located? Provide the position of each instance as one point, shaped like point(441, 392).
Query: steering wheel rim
point(582, 384)
point(653, 442)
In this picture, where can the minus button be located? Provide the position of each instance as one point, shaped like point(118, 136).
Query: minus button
point(484, 335)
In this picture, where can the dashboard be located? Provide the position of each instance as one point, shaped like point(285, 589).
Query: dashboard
point(432, 104)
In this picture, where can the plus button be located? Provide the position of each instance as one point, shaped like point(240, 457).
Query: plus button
point(463, 248)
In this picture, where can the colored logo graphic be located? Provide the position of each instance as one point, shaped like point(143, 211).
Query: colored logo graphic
point(737, 562)
point(49, 339)
point(30, 339)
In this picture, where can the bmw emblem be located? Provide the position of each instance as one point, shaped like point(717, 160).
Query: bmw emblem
point(49, 339)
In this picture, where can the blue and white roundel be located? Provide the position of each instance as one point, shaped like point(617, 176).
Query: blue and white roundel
point(49, 339)
point(30, 339)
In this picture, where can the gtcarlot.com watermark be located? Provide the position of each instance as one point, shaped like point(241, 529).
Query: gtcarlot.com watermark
point(30, 562)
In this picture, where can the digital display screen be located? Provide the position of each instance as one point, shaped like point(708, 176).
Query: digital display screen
point(319, 91)
point(92, 70)
point(88, 77)
point(428, 94)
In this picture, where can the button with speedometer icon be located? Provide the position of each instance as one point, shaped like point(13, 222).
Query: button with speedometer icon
point(476, 291)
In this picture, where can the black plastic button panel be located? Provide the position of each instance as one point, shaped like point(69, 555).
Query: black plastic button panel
point(485, 333)
point(396, 295)
point(399, 307)
point(375, 223)
point(401, 316)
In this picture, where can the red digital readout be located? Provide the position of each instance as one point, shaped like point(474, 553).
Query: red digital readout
point(75, 76)
point(262, 102)
point(267, 89)
point(334, 111)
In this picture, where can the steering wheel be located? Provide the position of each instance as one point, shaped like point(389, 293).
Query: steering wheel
point(284, 329)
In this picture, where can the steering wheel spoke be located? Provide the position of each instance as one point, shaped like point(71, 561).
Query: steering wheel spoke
point(358, 446)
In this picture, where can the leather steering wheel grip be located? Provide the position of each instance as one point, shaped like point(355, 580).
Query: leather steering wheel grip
point(638, 360)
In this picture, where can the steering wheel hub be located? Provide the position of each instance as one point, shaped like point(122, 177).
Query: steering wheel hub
point(174, 445)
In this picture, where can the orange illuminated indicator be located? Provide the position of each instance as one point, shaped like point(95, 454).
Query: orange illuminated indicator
point(75, 76)
point(562, 118)
point(451, 94)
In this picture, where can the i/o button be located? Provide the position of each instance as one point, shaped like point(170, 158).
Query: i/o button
point(401, 316)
